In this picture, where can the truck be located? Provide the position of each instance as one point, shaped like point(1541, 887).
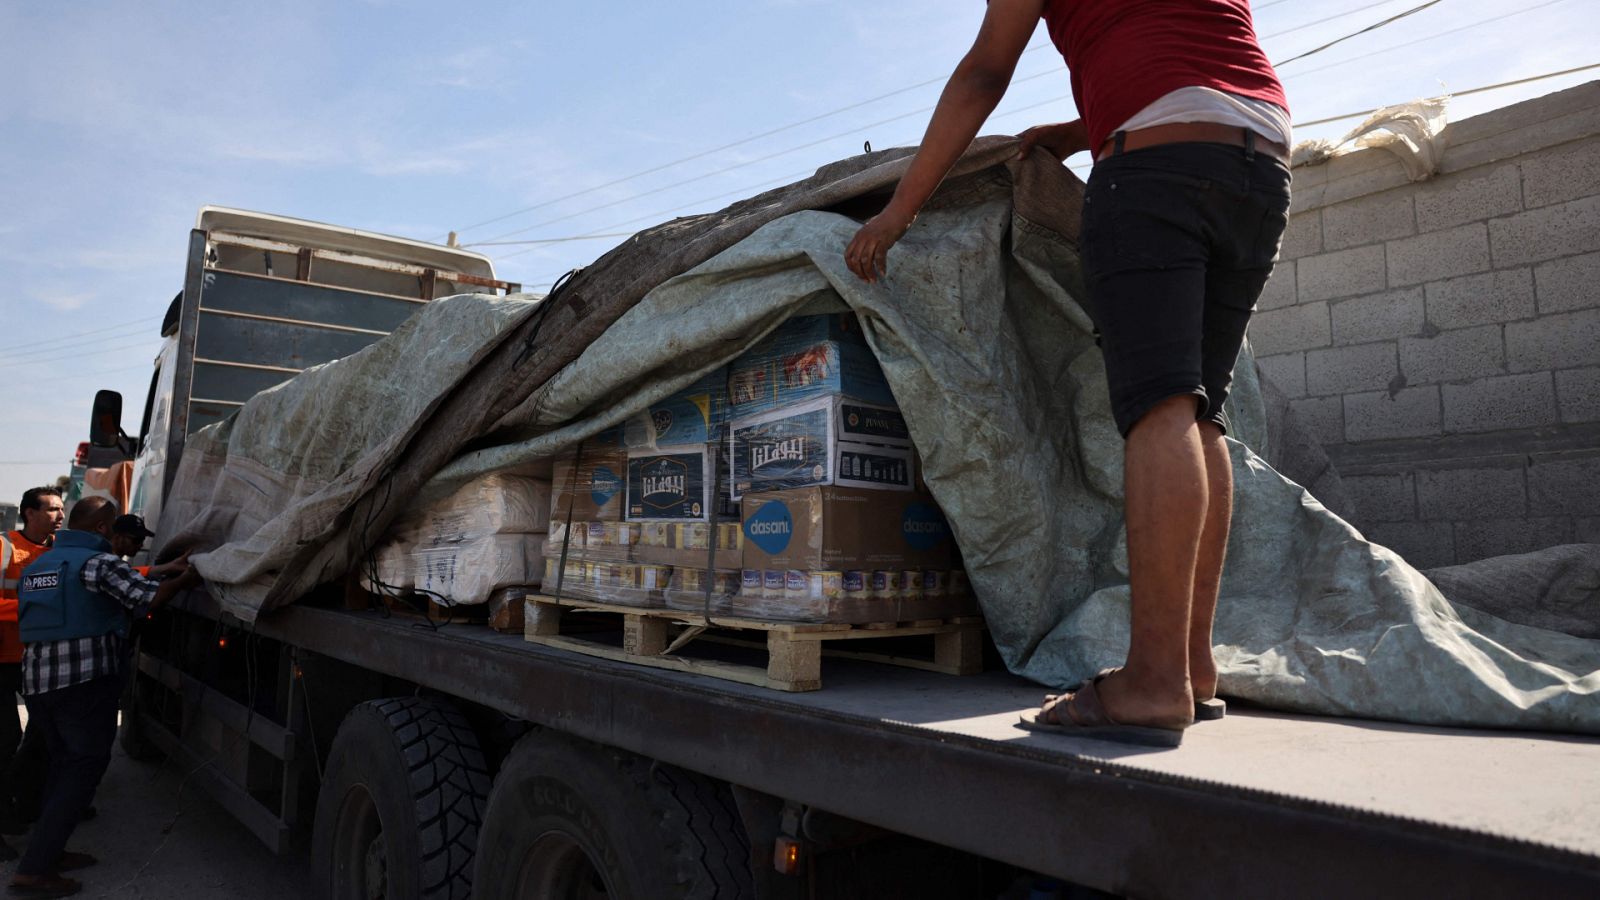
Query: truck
point(419, 760)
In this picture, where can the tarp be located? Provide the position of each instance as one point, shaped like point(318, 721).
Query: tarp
point(994, 365)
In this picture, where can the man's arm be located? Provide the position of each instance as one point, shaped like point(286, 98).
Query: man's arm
point(116, 579)
point(971, 94)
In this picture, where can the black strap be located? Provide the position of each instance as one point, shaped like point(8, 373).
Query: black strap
point(1119, 139)
point(1249, 145)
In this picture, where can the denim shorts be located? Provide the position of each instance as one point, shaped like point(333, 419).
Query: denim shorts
point(1178, 240)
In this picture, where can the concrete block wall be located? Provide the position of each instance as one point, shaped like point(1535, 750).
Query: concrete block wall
point(1442, 338)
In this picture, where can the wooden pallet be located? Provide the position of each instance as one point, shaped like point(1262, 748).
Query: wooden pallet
point(651, 637)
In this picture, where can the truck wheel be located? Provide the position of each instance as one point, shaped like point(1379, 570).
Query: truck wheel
point(400, 804)
point(576, 821)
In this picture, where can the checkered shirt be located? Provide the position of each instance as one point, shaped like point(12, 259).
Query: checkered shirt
point(53, 665)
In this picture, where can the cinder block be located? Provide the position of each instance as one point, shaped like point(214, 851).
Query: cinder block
point(1341, 370)
point(1546, 233)
point(1439, 254)
point(1280, 290)
point(1376, 217)
point(1504, 296)
point(1383, 498)
point(1569, 283)
point(1303, 237)
point(1322, 416)
point(1422, 544)
point(1453, 355)
point(1499, 537)
point(1561, 173)
point(1385, 316)
point(1469, 196)
point(1413, 412)
point(1287, 371)
point(1346, 273)
point(1291, 328)
point(1495, 404)
point(1471, 493)
point(1564, 486)
point(1564, 341)
point(1578, 395)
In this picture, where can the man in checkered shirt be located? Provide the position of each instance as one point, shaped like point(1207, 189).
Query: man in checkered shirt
point(74, 606)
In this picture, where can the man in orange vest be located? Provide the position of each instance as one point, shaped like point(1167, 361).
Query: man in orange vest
point(42, 512)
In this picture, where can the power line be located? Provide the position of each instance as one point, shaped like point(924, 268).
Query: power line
point(27, 355)
point(70, 354)
point(1327, 19)
point(740, 165)
point(1373, 27)
point(71, 337)
point(1466, 93)
point(559, 240)
point(728, 146)
point(1421, 40)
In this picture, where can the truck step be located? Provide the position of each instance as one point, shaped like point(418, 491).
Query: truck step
point(655, 637)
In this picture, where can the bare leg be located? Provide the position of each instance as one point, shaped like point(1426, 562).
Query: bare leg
point(1208, 566)
point(1165, 482)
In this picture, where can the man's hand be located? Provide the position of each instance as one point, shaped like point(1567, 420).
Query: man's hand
point(868, 253)
point(170, 567)
point(1060, 140)
point(189, 577)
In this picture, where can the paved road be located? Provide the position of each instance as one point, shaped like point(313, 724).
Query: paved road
point(155, 842)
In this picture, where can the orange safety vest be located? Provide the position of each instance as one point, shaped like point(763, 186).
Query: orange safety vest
point(16, 551)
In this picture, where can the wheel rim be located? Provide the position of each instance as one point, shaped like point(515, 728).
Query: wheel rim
point(557, 867)
point(360, 854)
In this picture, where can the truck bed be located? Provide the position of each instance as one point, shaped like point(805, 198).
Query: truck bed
point(1258, 803)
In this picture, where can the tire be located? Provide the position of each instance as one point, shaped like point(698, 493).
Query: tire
point(569, 820)
point(400, 804)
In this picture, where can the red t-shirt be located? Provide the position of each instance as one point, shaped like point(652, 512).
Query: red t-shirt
point(1126, 54)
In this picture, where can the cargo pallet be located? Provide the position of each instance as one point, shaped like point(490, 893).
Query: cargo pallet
point(650, 637)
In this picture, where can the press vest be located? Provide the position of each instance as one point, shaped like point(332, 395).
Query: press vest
point(53, 603)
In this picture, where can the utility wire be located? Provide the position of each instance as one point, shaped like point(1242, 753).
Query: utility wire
point(728, 146)
point(35, 345)
point(916, 112)
point(1373, 27)
point(1421, 40)
point(30, 354)
point(1326, 19)
point(71, 354)
point(740, 165)
point(1466, 93)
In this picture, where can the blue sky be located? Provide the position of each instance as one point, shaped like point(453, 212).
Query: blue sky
point(119, 120)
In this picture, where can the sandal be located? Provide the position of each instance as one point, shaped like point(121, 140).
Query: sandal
point(1208, 710)
point(72, 861)
point(1087, 717)
point(45, 887)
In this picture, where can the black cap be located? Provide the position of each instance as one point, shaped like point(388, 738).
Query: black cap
point(131, 524)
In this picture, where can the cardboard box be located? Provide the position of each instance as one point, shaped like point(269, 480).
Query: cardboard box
point(673, 484)
point(694, 415)
point(594, 493)
point(804, 358)
point(843, 529)
point(823, 441)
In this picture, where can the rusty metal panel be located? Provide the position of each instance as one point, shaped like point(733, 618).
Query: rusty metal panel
point(299, 301)
point(273, 343)
point(221, 381)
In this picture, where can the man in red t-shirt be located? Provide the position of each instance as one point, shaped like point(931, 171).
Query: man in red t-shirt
point(1189, 128)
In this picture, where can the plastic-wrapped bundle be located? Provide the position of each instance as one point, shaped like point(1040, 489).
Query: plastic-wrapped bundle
point(493, 504)
point(462, 572)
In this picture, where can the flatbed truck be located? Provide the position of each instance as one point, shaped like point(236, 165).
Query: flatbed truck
point(415, 759)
